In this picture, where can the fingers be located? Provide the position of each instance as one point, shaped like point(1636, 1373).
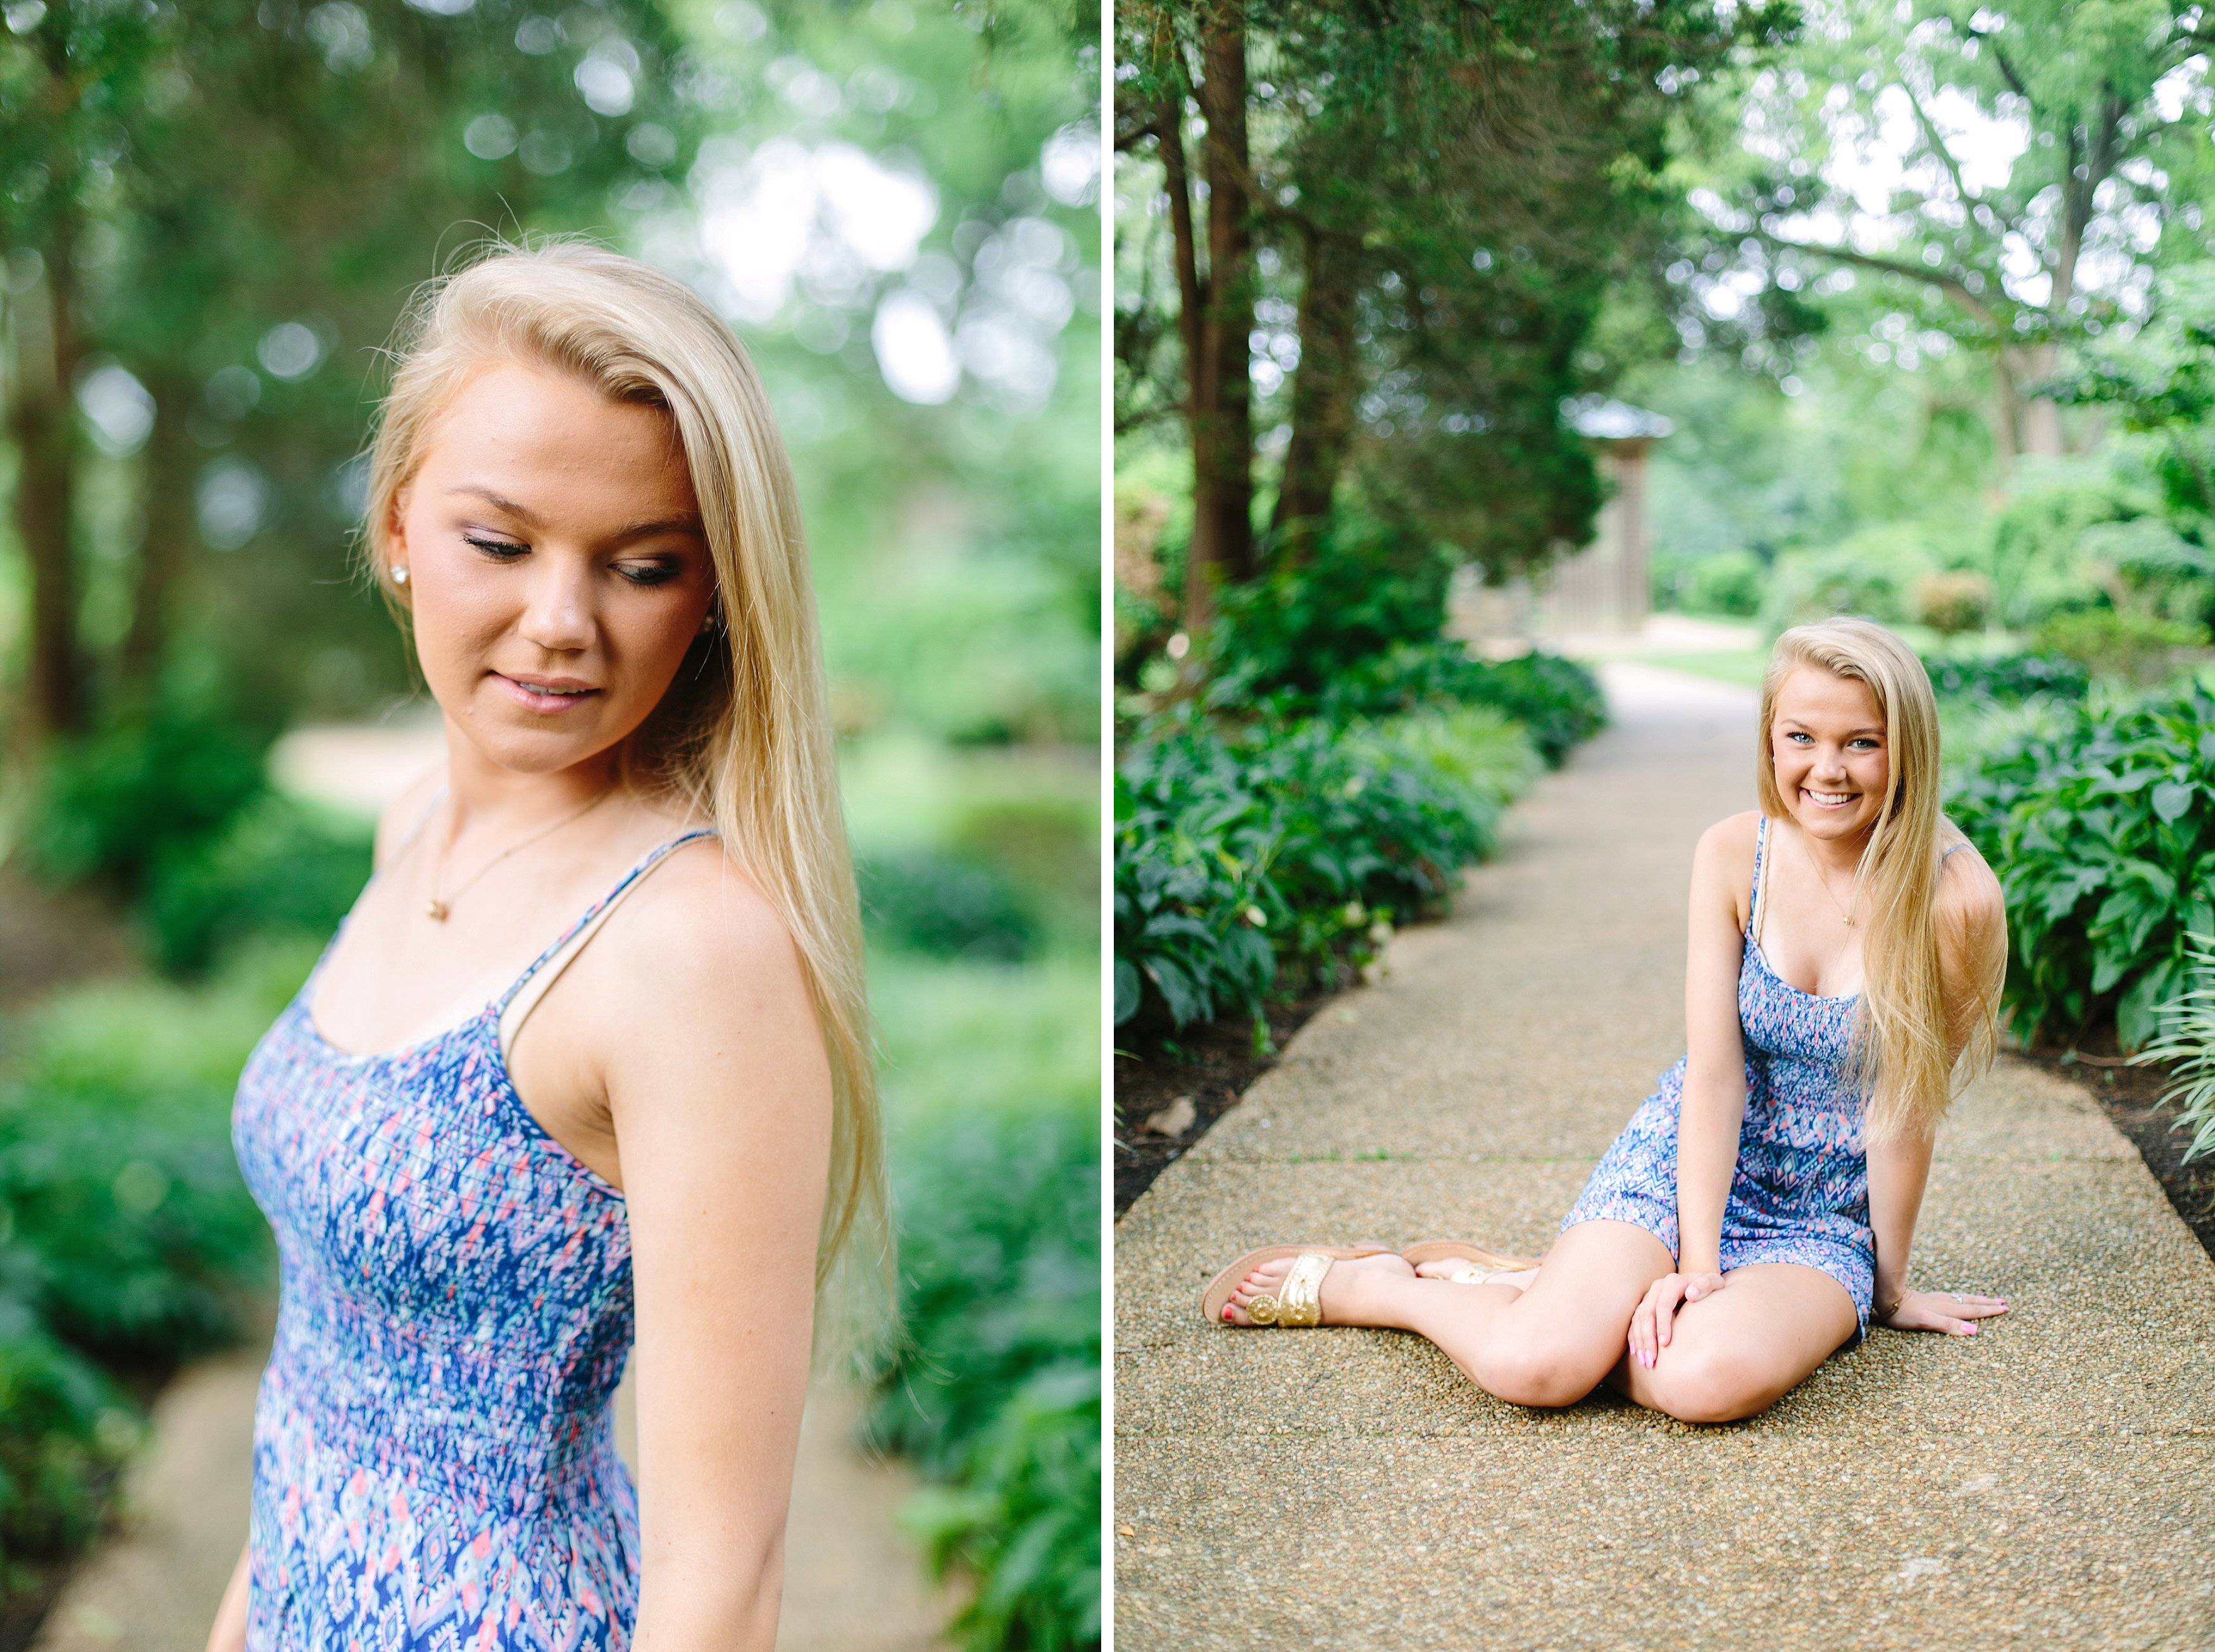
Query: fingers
point(1649, 1323)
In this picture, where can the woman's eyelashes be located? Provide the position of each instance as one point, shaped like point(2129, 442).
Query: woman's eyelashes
point(659, 571)
point(1803, 740)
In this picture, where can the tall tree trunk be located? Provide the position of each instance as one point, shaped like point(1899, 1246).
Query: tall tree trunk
point(1322, 394)
point(1222, 436)
point(42, 422)
point(1202, 558)
point(2030, 425)
point(166, 556)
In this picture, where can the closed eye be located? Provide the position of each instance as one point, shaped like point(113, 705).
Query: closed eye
point(648, 573)
point(501, 550)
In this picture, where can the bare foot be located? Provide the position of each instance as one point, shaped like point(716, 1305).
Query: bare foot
point(1447, 1267)
point(1264, 1279)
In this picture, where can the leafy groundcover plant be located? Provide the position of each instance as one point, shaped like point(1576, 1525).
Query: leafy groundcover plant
point(992, 1095)
point(1250, 857)
point(2186, 1044)
point(128, 1243)
point(2102, 826)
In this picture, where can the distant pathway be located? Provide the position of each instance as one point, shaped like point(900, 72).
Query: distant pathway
point(2049, 1483)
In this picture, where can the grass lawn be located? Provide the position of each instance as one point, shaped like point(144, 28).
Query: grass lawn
point(1743, 667)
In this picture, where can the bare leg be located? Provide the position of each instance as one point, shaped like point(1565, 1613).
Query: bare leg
point(1736, 1353)
point(1549, 1344)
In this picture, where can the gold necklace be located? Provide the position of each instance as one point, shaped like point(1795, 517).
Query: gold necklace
point(1845, 914)
point(440, 905)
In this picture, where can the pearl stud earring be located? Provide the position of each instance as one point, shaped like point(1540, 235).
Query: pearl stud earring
point(400, 577)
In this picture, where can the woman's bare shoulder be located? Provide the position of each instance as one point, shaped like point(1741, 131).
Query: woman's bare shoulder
point(701, 927)
point(1729, 844)
point(1970, 903)
point(407, 811)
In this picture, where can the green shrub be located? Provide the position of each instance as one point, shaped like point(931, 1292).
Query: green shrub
point(1952, 600)
point(144, 792)
point(2120, 642)
point(279, 867)
point(63, 1431)
point(1366, 589)
point(1558, 701)
point(1728, 583)
point(117, 1178)
point(1245, 856)
point(128, 1242)
point(2187, 1041)
point(997, 1395)
point(991, 1093)
point(945, 907)
point(2102, 826)
point(1871, 573)
point(2006, 679)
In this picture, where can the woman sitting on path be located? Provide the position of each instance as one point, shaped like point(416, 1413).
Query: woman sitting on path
point(579, 499)
point(1758, 1209)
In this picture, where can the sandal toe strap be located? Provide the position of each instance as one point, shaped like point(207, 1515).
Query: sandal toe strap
point(1298, 1300)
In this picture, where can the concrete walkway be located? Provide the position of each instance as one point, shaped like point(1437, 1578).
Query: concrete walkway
point(2051, 1483)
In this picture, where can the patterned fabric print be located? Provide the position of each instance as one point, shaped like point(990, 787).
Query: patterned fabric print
point(1800, 1193)
point(434, 1463)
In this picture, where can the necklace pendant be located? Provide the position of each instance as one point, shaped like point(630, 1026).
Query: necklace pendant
point(437, 911)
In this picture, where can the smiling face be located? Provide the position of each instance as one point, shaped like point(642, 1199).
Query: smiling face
point(557, 568)
point(1834, 761)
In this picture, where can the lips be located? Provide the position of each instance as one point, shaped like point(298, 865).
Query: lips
point(546, 694)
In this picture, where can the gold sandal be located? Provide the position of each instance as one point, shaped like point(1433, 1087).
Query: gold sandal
point(1298, 1300)
point(1482, 1265)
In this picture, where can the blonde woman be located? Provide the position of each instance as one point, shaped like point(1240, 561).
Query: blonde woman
point(1846, 952)
point(587, 1061)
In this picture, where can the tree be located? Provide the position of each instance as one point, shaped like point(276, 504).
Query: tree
point(2020, 167)
point(215, 211)
point(1438, 200)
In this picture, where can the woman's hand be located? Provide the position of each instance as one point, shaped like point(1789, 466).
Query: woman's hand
point(1657, 1312)
point(1950, 1311)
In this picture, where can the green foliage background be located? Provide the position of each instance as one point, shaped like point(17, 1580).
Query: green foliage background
point(211, 216)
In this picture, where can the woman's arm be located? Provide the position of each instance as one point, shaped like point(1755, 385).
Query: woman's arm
point(721, 1095)
point(1971, 923)
point(1713, 1106)
point(228, 1634)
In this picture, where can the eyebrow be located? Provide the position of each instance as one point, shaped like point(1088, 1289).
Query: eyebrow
point(624, 535)
point(1866, 728)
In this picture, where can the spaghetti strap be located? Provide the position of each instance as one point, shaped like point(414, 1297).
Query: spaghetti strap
point(653, 858)
point(1753, 911)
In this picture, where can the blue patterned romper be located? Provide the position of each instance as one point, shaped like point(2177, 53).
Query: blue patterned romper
point(434, 1461)
point(1800, 1193)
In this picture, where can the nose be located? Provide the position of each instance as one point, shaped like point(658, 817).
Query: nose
point(557, 615)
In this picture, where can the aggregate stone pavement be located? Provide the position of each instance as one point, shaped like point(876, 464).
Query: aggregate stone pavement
point(2050, 1483)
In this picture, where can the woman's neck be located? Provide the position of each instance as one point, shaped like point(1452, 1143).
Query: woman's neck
point(1836, 857)
point(482, 793)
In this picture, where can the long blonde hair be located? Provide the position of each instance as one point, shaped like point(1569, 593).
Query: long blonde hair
point(1900, 1025)
point(744, 735)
